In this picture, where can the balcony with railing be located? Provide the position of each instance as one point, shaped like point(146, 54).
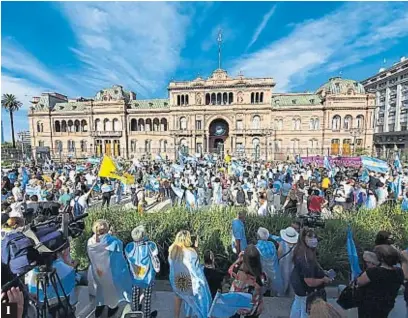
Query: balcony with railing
point(106, 133)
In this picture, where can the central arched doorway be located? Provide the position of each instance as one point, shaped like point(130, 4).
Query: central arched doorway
point(218, 139)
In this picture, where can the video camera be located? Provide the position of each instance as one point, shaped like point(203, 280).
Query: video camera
point(39, 242)
point(311, 220)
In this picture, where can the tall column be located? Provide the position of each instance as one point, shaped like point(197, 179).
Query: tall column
point(207, 136)
point(387, 104)
point(376, 111)
point(398, 105)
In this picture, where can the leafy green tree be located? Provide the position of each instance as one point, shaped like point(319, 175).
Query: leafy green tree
point(10, 103)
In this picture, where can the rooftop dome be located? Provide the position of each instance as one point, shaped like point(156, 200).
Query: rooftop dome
point(338, 85)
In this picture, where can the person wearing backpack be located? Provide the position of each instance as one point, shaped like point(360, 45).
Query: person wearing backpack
point(79, 203)
point(142, 257)
point(240, 198)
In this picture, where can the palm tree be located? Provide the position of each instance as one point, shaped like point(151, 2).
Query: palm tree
point(10, 103)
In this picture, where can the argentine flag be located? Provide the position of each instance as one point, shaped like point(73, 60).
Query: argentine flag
point(152, 185)
point(352, 255)
point(108, 274)
point(66, 274)
point(228, 304)
point(191, 200)
point(178, 191)
point(396, 186)
point(397, 163)
point(189, 283)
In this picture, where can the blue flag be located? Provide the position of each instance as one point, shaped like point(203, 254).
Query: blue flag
point(352, 255)
point(227, 305)
point(397, 163)
point(396, 186)
point(327, 164)
point(152, 185)
point(25, 178)
point(374, 164)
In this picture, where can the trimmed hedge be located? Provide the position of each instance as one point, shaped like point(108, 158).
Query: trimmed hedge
point(213, 228)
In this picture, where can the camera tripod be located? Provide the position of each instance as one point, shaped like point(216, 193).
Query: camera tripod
point(48, 275)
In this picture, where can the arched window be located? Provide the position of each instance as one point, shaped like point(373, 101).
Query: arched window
point(294, 145)
point(107, 125)
point(183, 123)
point(57, 126)
point(133, 124)
point(148, 124)
point(256, 98)
point(207, 99)
point(278, 124)
point(182, 99)
point(98, 125)
point(219, 99)
point(141, 124)
point(336, 123)
point(64, 126)
point(313, 144)
point(278, 145)
point(252, 98)
point(156, 124)
point(256, 122)
point(83, 145)
point(77, 126)
point(178, 100)
point(163, 124)
point(186, 100)
point(133, 144)
point(360, 121)
point(347, 122)
point(314, 124)
point(148, 145)
point(70, 126)
point(164, 145)
point(84, 125)
point(230, 98)
point(296, 123)
point(58, 145)
point(40, 126)
point(71, 145)
point(224, 98)
point(115, 124)
point(213, 99)
point(261, 97)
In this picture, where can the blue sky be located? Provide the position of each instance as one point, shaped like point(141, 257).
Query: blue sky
point(77, 48)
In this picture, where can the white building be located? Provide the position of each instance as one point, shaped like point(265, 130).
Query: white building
point(391, 115)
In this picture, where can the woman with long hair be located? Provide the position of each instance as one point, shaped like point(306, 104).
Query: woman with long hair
point(249, 278)
point(307, 276)
point(187, 278)
point(108, 275)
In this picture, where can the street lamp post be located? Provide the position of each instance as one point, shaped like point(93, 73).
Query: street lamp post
point(355, 132)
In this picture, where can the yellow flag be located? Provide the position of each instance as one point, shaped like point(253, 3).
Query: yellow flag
point(108, 170)
point(46, 178)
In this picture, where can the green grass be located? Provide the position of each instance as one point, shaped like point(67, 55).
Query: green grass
point(213, 227)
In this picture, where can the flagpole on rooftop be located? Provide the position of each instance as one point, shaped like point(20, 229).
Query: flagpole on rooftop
point(219, 40)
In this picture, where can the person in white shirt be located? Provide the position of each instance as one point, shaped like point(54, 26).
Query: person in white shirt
point(16, 191)
point(82, 199)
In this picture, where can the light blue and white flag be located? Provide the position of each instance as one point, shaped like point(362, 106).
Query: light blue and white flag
point(152, 184)
point(396, 186)
point(374, 164)
point(327, 164)
point(25, 178)
point(109, 274)
point(397, 163)
point(189, 283)
point(177, 168)
point(352, 255)
point(237, 168)
point(158, 158)
point(191, 200)
point(178, 191)
point(94, 161)
point(365, 177)
point(228, 304)
point(66, 274)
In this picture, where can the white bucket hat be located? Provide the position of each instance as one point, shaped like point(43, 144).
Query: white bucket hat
point(289, 235)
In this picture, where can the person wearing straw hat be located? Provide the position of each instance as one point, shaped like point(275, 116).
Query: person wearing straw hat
point(289, 238)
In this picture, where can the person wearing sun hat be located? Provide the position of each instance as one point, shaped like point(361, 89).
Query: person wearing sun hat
point(289, 238)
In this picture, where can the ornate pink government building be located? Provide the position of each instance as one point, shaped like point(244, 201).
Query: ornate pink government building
point(216, 114)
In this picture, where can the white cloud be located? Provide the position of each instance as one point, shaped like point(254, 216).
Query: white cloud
point(262, 26)
point(136, 44)
point(343, 37)
point(17, 61)
point(21, 88)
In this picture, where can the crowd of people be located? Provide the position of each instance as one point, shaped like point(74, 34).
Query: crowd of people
point(281, 265)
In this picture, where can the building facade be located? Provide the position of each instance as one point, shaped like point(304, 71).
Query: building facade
point(215, 114)
point(24, 137)
point(391, 117)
